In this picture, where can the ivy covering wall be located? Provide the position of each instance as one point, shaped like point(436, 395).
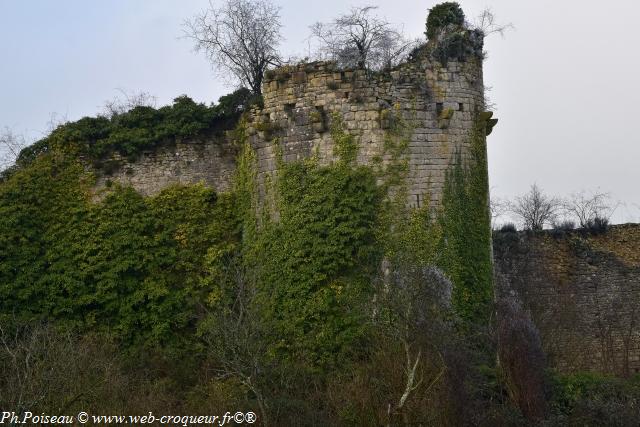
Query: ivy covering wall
point(292, 280)
point(126, 265)
point(466, 233)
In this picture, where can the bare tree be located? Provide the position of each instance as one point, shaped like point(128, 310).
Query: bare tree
point(486, 23)
point(521, 358)
point(240, 37)
point(127, 101)
point(498, 207)
point(55, 120)
point(535, 209)
point(359, 39)
point(10, 146)
point(237, 341)
point(417, 301)
point(586, 207)
point(235, 335)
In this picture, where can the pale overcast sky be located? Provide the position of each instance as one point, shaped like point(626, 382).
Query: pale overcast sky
point(564, 81)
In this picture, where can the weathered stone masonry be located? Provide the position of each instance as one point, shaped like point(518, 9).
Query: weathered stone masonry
point(436, 103)
point(583, 292)
point(210, 161)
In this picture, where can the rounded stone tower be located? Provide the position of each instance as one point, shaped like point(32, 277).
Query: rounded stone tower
point(427, 108)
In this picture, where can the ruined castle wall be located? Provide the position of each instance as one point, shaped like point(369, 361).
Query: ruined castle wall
point(583, 292)
point(436, 104)
point(210, 161)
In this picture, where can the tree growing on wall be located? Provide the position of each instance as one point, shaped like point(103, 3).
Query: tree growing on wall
point(535, 209)
point(361, 39)
point(443, 15)
point(241, 37)
point(587, 207)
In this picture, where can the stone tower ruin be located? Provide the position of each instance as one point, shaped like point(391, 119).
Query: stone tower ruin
point(438, 104)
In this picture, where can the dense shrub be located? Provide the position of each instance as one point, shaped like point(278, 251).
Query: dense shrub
point(129, 266)
point(442, 15)
point(508, 228)
point(597, 225)
point(450, 38)
point(52, 371)
point(141, 128)
point(459, 46)
point(56, 371)
point(588, 399)
point(560, 229)
point(566, 225)
point(316, 259)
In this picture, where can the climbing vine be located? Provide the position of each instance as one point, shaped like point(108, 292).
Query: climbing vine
point(128, 266)
point(466, 231)
point(345, 146)
point(314, 261)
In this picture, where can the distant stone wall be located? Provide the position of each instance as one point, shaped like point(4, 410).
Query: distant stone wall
point(583, 292)
point(210, 161)
point(436, 103)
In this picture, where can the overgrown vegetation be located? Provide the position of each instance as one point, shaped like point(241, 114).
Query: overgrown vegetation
point(274, 301)
point(127, 265)
point(466, 244)
point(140, 128)
point(451, 39)
point(442, 16)
point(590, 399)
point(311, 296)
point(316, 260)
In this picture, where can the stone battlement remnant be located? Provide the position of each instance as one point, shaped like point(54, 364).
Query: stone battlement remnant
point(210, 161)
point(434, 106)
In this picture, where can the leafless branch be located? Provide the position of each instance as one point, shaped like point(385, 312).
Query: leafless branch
point(587, 206)
point(486, 22)
point(241, 37)
point(127, 101)
point(360, 39)
point(498, 208)
point(10, 146)
point(535, 209)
